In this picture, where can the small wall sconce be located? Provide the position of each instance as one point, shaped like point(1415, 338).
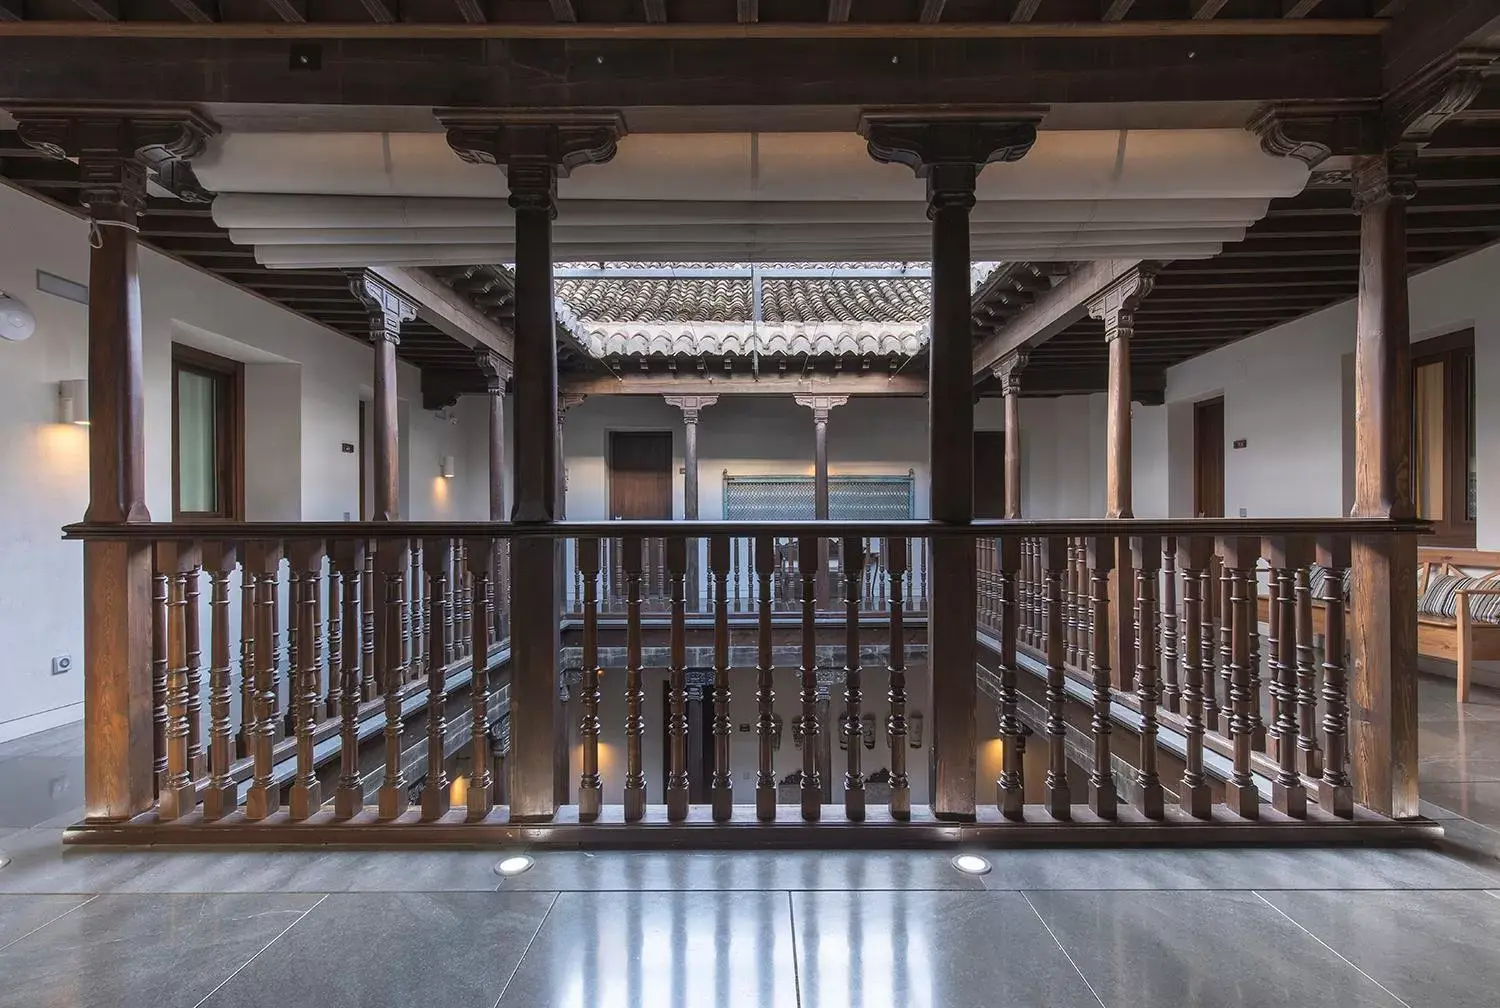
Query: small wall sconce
point(73, 402)
point(446, 467)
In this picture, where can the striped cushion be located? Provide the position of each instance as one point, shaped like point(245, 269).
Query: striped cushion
point(1441, 597)
point(1317, 580)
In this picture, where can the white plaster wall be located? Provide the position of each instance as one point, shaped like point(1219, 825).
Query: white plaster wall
point(1287, 392)
point(303, 385)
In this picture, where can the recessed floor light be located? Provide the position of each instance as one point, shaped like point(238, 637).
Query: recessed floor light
point(514, 865)
point(971, 864)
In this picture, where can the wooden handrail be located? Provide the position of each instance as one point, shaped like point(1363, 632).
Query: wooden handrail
point(1029, 527)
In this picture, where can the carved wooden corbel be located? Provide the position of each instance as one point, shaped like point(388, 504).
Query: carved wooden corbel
point(1009, 370)
point(690, 405)
point(1312, 132)
point(820, 405)
point(388, 308)
point(1115, 306)
point(949, 149)
point(1416, 111)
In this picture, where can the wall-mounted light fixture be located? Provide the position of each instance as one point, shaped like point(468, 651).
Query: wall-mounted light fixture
point(16, 320)
point(446, 467)
point(73, 401)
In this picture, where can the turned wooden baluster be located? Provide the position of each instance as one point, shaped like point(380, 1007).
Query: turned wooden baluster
point(304, 696)
point(1194, 554)
point(192, 632)
point(392, 561)
point(1227, 579)
point(895, 725)
point(161, 586)
point(635, 694)
point(1146, 554)
point(480, 558)
point(1075, 603)
point(1257, 723)
point(1307, 673)
point(335, 638)
point(176, 796)
point(765, 692)
point(808, 726)
point(1171, 691)
point(1011, 785)
point(245, 737)
point(1287, 554)
point(1216, 611)
point(286, 722)
point(677, 723)
point(1054, 558)
point(370, 685)
point(264, 557)
point(1099, 555)
point(464, 603)
point(590, 787)
point(1023, 593)
point(1240, 553)
point(854, 778)
point(348, 558)
point(721, 785)
point(1335, 790)
point(221, 794)
point(436, 556)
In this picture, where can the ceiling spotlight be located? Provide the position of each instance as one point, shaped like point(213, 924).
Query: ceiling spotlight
point(972, 864)
point(514, 865)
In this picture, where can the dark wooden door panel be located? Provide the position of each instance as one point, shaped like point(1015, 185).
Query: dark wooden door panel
point(640, 475)
point(1208, 459)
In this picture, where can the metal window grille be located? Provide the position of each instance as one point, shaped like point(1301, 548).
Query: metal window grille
point(790, 498)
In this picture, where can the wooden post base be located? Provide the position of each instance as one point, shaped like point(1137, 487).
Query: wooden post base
point(854, 801)
point(392, 803)
point(1290, 800)
point(590, 801)
point(304, 800)
point(1197, 801)
point(1103, 799)
point(174, 803)
point(812, 799)
point(677, 803)
point(218, 802)
point(723, 803)
point(348, 803)
point(765, 803)
point(1152, 802)
point(635, 804)
point(260, 802)
point(1242, 801)
point(1336, 800)
point(1059, 803)
point(435, 803)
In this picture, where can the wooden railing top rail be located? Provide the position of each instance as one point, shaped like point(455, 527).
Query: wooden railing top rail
point(1073, 527)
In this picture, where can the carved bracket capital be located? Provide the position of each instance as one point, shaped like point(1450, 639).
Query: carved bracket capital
point(497, 371)
point(388, 307)
point(690, 405)
point(566, 402)
point(1115, 305)
point(115, 146)
point(950, 149)
point(1009, 370)
point(1312, 132)
point(536, 148)
point(821, 405)
point(1390, 176)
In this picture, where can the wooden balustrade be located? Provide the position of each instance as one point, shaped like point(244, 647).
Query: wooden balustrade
point(383, 623)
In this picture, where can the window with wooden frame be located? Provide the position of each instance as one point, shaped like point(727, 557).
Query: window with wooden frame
point(207, 436)
point(1443, 441)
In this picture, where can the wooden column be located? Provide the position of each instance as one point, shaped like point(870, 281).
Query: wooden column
point(1008, 371)
point(821, 406)
point(497, 374)
point(388, 309)
point(690, 406)
point(565, 402)
point(1383, 634)
point(1115, 306)
point(535, 150)
point(949, 152)
point(113, 147)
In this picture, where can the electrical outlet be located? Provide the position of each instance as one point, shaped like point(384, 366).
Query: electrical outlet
point(62, 664)
point(1244, 513)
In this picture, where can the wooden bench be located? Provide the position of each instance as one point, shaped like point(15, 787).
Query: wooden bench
point(1460, 638)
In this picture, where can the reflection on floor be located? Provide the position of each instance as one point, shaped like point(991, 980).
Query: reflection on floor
point(1238, 927)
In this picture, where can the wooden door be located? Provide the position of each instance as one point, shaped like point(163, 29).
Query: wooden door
point(1208, 459)
point(989, 474)
point(640, 475)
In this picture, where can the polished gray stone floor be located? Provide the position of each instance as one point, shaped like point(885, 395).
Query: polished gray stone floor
point(1058, 928)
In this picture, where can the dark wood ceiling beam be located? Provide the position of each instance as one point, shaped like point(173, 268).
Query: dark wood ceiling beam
point(562, 10)
point(1115, 10)
point(194, 11)
point(288, 11)
point(1024, 11)
point(1422, 34)
point(98, 11)
point(472, 11)
point(932, 11)
point(379, 11)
